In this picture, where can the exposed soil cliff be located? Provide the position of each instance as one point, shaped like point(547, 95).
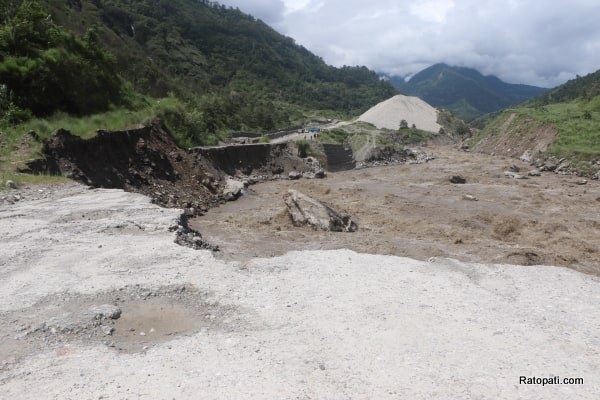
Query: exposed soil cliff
point(148, 161)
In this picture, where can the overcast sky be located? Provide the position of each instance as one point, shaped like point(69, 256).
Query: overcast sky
point(537, 42)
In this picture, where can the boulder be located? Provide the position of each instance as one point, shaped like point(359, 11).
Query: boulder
point(457, 179)
point(294, 175)
point(11, 184)
point(535, 172)
point(549, 165)
point(107, 329)
point(104, 311)
point(514, 175)
point(562, 166)
point(305, 210)
point(233, 189)
point(527, 157)
point(320, 174)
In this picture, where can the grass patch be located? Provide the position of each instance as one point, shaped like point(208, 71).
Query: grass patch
point(27, 179)
point(333, 136)
point(264, 139)
point(15, 148)
point(578, 124)
point(85, 127)
point(413, 136)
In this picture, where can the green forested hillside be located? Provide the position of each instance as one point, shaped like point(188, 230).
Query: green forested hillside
point(228, 70)
point(39, 62)
point(586, 87)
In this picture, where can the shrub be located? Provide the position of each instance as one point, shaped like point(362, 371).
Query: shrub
point(303, 147)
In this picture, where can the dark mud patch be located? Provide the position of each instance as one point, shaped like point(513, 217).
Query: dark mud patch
point(148, 316)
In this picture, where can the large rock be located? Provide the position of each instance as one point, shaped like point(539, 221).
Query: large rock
point(549, 165)
point(527, 157)
point(514, 175)
point(233, 189)
point(104, 311)
point(305, 210)
point(457, 179)
point(294, 175)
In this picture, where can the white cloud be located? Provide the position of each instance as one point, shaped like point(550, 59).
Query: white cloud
point(431, 10)
point(523, 41)
point(295, 5)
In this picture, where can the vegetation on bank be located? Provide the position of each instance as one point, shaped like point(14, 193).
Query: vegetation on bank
point(577, 123)
point(573, 109)
point(452, 125)
point(334, 136)
point(203, 69)
point(363, 137)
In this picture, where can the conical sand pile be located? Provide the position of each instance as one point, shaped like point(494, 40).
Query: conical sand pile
point(390, 112)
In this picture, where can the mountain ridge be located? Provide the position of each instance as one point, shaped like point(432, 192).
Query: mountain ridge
point(464, 91)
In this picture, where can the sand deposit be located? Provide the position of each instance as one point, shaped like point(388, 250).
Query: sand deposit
point(389, 113)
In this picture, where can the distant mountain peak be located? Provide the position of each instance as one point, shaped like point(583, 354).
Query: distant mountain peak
point(464, 91)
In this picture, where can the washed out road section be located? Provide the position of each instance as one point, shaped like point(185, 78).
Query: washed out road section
point(309, 324)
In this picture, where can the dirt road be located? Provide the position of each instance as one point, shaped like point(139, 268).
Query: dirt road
point(414, 211)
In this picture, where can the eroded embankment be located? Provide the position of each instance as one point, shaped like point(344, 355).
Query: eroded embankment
point(147, 160)
point(517, 135)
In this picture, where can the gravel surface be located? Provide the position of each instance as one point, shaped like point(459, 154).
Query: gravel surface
point(311, 324)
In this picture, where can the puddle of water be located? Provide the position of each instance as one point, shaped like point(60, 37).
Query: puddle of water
point(153, 321)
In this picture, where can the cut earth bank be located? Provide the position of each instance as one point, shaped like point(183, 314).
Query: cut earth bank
point(305, 324)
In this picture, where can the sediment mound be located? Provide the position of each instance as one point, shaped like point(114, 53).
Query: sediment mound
point(390, 112)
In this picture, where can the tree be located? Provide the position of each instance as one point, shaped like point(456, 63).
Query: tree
point(46, 69)
point(403, 124)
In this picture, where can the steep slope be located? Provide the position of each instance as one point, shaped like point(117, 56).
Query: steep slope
point(389, 113)
point(564, 123)
point(236, 71)
point(464, 91)
point(202, 45)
